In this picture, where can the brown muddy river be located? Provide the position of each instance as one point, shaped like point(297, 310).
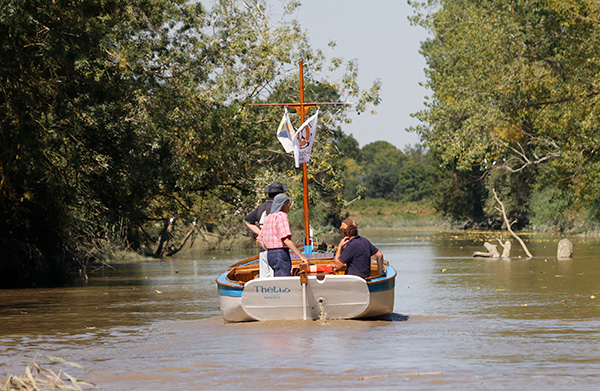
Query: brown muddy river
point(460, 323)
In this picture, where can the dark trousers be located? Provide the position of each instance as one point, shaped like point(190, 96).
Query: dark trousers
point(280, 261)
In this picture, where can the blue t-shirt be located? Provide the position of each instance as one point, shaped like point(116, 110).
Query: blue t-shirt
point(357, 256)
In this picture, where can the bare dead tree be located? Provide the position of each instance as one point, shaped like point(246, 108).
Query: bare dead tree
point(174, 248)
point(523, 160)
point(519, 160)
point(509, 224)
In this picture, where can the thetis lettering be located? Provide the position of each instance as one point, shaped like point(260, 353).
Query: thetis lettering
point(271, 289)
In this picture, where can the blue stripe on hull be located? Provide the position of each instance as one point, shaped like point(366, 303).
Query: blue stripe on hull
point(384, 283)
point(233, 292)
point(225, 289)
point(382, 286)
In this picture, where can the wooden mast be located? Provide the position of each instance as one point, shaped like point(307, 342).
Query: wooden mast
point(302, 109)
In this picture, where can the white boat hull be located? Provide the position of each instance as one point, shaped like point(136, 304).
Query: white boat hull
point(327, 296)
point(282, 298)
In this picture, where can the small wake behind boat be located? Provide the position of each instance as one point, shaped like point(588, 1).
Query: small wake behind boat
point(325, 294)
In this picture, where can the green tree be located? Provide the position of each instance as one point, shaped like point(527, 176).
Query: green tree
point(514, 88)
point(118, 116)
point(382, 161)
point(417, 178)
point(461, 195)
point(353, 174)
point(76, 145)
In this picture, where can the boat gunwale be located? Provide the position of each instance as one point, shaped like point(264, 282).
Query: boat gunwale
point(222, 279)
point(243, 262)
point(382, 278)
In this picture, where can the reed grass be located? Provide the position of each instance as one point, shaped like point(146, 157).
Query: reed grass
point(39, 378)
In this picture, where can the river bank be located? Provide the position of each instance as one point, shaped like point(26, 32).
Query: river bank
point(370, 213)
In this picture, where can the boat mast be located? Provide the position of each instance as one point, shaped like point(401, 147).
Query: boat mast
point(302, 109)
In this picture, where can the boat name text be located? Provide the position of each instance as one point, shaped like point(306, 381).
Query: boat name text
point(271, 289)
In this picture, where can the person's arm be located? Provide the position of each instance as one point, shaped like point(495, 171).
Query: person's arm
point(261, 244)
point(252, 220)
point(290, 244)
point(338, 263)
point(259, 239)
point(379, 258)
point(252, 227)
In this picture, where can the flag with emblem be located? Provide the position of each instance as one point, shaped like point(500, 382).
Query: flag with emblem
point(285, 132)
point(304, 138)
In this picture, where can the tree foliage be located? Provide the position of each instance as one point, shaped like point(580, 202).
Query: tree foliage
point(515, 88)
point(116, 116)
point(380, 170)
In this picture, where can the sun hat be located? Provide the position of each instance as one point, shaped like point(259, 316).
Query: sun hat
point(276, 187)
point(279, 202)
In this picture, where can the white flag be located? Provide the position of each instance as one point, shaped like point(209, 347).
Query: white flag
point(304, 138)
point(285, 132)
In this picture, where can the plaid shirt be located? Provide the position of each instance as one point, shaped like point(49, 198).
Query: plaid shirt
point(275, 228)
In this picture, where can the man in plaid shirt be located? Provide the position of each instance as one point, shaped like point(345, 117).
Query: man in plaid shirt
point(255, 220)
point(276, 237)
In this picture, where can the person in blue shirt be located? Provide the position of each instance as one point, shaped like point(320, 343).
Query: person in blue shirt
point(355, 252)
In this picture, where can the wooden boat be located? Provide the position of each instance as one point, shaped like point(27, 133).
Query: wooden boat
point(306, 294)
point(324, 295)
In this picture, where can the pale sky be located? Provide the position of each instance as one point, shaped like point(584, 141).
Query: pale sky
point(378, 34)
